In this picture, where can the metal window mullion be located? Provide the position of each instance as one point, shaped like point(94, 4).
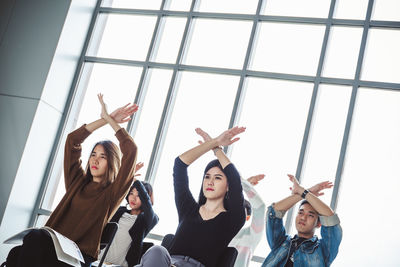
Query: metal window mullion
point(380, 85)
point(248, 73)
point(239, 94)
point(142, 86)
point(63, 122)
point(384, 24)
point(169, 102)
point(313, 102)
point(44, 212)
point(235, 16)
point(353, 97)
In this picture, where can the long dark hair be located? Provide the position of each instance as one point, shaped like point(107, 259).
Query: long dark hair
point(202, 198)
point(113, 156)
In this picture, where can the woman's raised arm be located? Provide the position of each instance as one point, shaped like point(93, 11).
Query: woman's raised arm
point(225, 139)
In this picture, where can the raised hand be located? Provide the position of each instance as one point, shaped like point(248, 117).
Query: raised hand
point(228, 137)
point(138, 166)
point(203, 134)
point(316, 189)
point(255, 179)
point(296, 188)
point(104, 114)
point(124, 113)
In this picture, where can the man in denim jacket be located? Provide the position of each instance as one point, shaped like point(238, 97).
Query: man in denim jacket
point(304, 249)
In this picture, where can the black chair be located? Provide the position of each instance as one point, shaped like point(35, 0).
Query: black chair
point(227, 258)
point(145, 247)
point(167, 241)
point(106, 239)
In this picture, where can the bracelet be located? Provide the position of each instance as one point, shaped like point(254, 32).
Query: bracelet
point(304, 193)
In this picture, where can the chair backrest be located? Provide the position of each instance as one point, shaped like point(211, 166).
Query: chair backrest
point(227, 258)
point(167, 241)
point(106, 239)
point(145, 247)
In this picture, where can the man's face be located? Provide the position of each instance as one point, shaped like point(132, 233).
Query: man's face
point(306, 221)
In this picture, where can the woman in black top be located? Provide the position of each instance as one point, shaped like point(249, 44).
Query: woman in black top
point(205, 227)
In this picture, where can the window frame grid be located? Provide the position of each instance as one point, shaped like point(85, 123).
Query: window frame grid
point(244, 73)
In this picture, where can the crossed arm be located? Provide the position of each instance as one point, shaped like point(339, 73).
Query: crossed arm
point(312, 197)
point(225, 139)
point(120, 115)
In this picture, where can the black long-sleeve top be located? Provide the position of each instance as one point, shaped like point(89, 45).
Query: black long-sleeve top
point(205, 240)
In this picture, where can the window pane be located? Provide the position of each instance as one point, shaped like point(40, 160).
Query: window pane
point(41, 220)
point(229, 6)
point(368, 201)
point(288, 48)
point(382, 56)
point(203, 100)
point(218, 43)
point(170, 40)
point(124, 37)
point(275, 114)
point(342, 52)
point(148, 4)
point(386, 10)
point(151, 111)
point(309, 8)
point(326, 136)
point(355, 9)
point(179, 5)
point(119, 85)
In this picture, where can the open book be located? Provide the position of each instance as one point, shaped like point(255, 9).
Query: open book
point(67, 251)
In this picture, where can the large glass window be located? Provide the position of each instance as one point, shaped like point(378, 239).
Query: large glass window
point(316, 85)
point(382, 58)
point(309, 8)
point(169, 44)
point(372, 169)
point(285, 47)
point(355, 9)
point(122, 37)
point(210, 39)
point(342, 52)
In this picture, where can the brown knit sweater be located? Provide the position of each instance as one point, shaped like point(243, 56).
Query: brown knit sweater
point(87, 206)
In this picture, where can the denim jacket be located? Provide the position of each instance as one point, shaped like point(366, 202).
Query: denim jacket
point(312, 252)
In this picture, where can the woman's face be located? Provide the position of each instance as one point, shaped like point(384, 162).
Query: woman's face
point(134, 200)
point(215, 184)
point(98, 162)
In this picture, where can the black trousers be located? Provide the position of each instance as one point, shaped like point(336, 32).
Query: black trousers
point(38, 250)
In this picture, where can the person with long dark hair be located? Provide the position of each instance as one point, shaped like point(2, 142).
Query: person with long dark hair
point(92, 195)
point(205, 227)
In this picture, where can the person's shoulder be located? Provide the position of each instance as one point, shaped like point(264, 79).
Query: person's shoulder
point(122, 208)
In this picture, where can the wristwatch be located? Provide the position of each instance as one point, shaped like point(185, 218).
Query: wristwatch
point(305, 193)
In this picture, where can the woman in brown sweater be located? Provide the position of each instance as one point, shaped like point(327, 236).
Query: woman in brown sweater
point(92, 195)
